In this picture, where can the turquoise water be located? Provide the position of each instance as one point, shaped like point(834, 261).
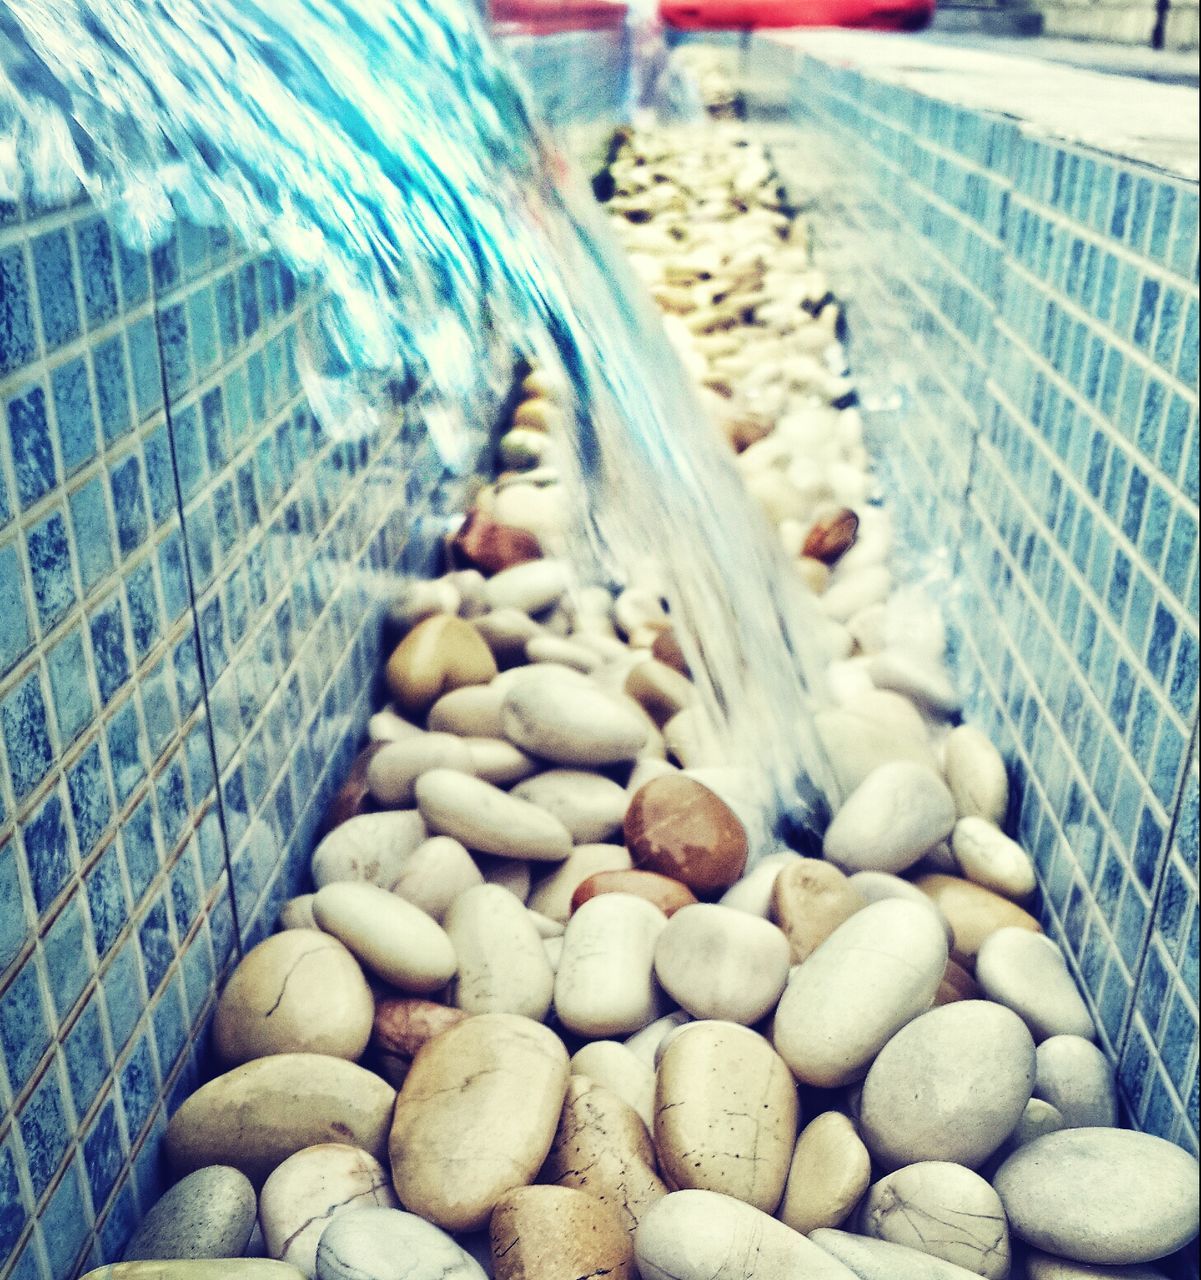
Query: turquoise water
point(386, 151)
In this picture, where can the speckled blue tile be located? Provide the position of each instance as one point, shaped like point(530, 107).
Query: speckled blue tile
point(97, 271)
point(29, 441)
point(110, 648)
point(68, 959)
point(49, 554)
point(18, 340)
point(56, 288)
point(93, 531)
point(15, 633)
point(14, 921)
point(126, 750)
point(73, 412)
point(129, 503)
point(45, 1122)
point(107, 900)
point(74, 704)
point(47, 850)
point(112, 387)
point(24, 1025)
point(26, 734)
point(91, 806)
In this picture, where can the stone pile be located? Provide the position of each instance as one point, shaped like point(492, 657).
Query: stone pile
point(552, 1011)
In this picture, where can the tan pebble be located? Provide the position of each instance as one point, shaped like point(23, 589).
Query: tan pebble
point(830, 1171)
point(957, 984)
point(476, 1118)
point(258, 1114)
point(300, 991)
point(396, 766)
point(556, 649)
point(613, 1066)
point(973, 911)
point(507, 632)
point(590, 806)
point(553, 895)
point(471, 712)
point(661, 891)
point(434, 875)
point(372, 847)
point(810, 899)
point(439, 654)
point(660, 689)
point(489, 820)
point(500, 762)
point(489, 546)
point(297, 913)
point(987, 856)
point(502, 965)
point(510, 873)
point(557, 1233)
point(975, 772)
point(216, 1269)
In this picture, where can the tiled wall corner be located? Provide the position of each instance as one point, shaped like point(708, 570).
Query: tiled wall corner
point(1025, 327)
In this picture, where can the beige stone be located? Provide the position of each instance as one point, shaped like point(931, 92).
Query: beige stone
point(396, 766)
point(438, 655)
point(618, 1069)
point(558, 1233)
point(434, 875)
point(810, 899)
point(297, 913)
point(373, 847)
point(489, 820)
point(471, 712)
point(300, 991)
point(975, 772)
point(502, 964)
point(987, 856)
point(553, 895)
point(973, 911)
point(476, 1118)
point(830, 1171)
point(572, 723)
point(211, 1269)
point(588, 804)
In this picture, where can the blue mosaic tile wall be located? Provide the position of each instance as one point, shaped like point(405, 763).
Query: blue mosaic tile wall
point(1024, 319)
point(191, 575)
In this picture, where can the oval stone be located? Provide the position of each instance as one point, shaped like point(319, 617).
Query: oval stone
point(618, 1069)
point(396, 766)
point(309, 1190)
point(753, 892)
point(502, 964)
point(680, 828)
point(660, 891)
point(476, 1117)
point(198, 1269)
point(703, 1235)
point(897, 813)
point(558, 1233)
point(1027, 973)
point(829, 1173)
point(976, 775)
point(719, 963)
point(208, 1214)
point(1042, 1266)
point(300, 991)
point(553, 895)
point(257, 1115)
point(661, 691)
point(439, 654)
point(434, 875)
point(402, 1025)
point(530, 587)
point(1107, 1196)
point(870, 977)
point(810, 899)
point(394, 939)
point(590, 806)
point(371, 847)
point(951, 1085)
point(726, 1114)
point(470, 712)
point(1077, 1079)
point(572, 724)
point(489, 820)
point(870, 1259)
point(973, 911)
point(387, 1244)
point(987, 856)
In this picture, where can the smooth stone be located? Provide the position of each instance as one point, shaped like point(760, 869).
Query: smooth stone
point(531, 587)
point(470, 712)
point(502, 965)
point(489, 820)
point(507, 632)
point(870, 977)
point(718, 963)
point(396, 766)
point(987, 856)
point(753, 892)
point(476, 1117)
point(660, 690)
point(870, 1259)
point(605, 984)
point(387, 725)
point(974, 912)
point(511, 874)
point(1027, 973)
point(257, 1115)
point(197, 1269)
point(897, 813)
point(856, 590)
point(590, 806)
point(649, 1043)
point(603, 1147)
point(553, 895)
point(300, 991)
point(810, 899)
point(394, 939)
point(1042, 1266)
point(402, 1025)
point(582, 725)
point(309, 1190)
point(438, 655)
point(726, 1114)
point(829, 1173)
point(666, 649)
point(689, 738)
point(1109, 1196)
point(1076, 1078)
point(388, 1244)
point(498, 761)
point(681, 829)
point(615, 1067)
point(558, 1233)
point(353, 797)
point(1038, 1119)
point(874, 886)
point(419, 599)
point(546, 648)
point(297, 913)
point(434, 875)
point(208, 1214)
point(645, 768)
point(944, 1210)
point(951, 1085)
point(922, 681)
point(547, 928)
point(660, 891)
point(976, 775)
point(702, 1235)
point(956, 984)
point(372, 847)
point(857, 742)
point(490, 546)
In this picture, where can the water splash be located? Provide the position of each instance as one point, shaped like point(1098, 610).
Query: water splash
point(386, 150)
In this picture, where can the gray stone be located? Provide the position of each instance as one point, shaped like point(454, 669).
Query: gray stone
point(1042, 1266)
point(208, 1214)
point(1026, 972)
point(879, 1260)
point(388, 1244)
point(1075, 1077)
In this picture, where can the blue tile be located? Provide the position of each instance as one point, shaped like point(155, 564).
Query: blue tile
point(174, 575)
point(50, 567)
point(12, 1211)
point(112, 388)
point(14, 926)
point(200, 762)
point(67, 961)
point(65, 1223)
point(24, 1030)
point(119, 1225)
point(145, 367)
point(189, 450)
point(202, 325)
point(135, 276)
point(45, 1128)
point(158, 707)
point(106, 900)
point(87, 1058)
point(29, 439)
point(142, 597)
point(18, 343)
point(15, 635)
point(227, 317)
point(170, 1033)
point(97, 272)
point(110, 648)
point(173, 347)
point(157, 947)
point(123, 994)
point(187, 674)
point(26, 735)
point(164, 263)
point(126, 751)
point(160, 474)
point(93, 533)
point(71, 693)
point(1186, 365)
point(91, 806)
point(172, 803)
point(47, 851)
point(129, 504)
point(103, 1156)
point(56, 288)
point(248, 295)
point(73, 411)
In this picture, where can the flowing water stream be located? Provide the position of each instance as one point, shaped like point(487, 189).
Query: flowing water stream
point(385, 151)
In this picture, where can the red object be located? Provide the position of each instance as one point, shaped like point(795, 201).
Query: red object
point(545, 17)
point(746, 15)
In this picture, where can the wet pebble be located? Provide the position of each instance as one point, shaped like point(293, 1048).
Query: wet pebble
point(208, 1214)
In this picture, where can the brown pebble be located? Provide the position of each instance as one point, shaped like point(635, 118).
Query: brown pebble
point(957, 984)
point(558, 1233)
point(746, 430)
point(489, 546)
point(666, 648)
point(661, 891)
point(681, 829)
point(353, 796)
point(809, 900)
point(973, 911)
point(660, 690)
point(440, 654)
point(402, 1025)
point(832, 537)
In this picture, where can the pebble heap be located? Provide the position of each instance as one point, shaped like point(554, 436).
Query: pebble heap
point(551, 1013)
